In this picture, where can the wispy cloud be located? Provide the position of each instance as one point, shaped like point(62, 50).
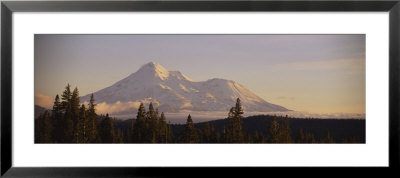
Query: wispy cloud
point(103, 108)
point(44, 100)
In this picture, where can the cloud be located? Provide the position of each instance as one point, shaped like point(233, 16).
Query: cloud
point(44, 100)
point(350, 65)
point(117, 107)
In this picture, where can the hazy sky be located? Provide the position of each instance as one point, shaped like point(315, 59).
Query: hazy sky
point(313, 73)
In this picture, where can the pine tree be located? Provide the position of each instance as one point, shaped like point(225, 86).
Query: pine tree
point(77, 123)
point(238, 135)
point(163, 129)
point(273, 131)
point(228, 130)
point(233, 127)
point(107, 130)
point(141, 114)
point(153, 130)
point(66, 98)
point(190, 134)
point(92, 129)
point(152, 113)
point(68, 122)
point(140, 126)
point(58, 120)
point(238, 108)
point(57, 107)
point(75, 104)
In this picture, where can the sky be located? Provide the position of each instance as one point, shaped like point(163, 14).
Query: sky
point(311, 73)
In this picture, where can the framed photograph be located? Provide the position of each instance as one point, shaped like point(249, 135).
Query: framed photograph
point(134, 88)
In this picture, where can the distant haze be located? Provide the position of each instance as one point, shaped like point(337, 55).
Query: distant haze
point(312, 73)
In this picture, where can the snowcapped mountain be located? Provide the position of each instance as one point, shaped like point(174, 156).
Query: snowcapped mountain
point(172, 91)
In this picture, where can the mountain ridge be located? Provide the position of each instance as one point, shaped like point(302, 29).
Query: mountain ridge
point(172, 91)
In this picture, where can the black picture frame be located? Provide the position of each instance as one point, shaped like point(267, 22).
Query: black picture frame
point(8, 7)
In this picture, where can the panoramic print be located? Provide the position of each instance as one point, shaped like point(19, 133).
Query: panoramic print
point(199, 88)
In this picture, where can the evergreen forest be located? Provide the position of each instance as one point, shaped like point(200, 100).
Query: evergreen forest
point(69, 121)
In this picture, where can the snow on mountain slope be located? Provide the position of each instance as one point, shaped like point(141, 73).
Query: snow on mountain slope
point(171, 91)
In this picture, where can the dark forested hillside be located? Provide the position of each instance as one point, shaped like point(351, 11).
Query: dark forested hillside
point(340, 129)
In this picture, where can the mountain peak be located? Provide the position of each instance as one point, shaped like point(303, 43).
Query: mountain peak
point(154, 68)
point(157, 70)
point(153, 64)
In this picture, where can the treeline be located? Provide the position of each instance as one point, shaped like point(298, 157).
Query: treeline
point(72, 122)
point(341, 130)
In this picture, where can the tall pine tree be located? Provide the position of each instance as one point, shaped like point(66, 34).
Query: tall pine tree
point(75, 111)
point(92, 130)
point(163, 129)
point(58, 120)
point(140, 128)
point(152, 133)
point(68, 122)
point(190, 134)
point(233, 128)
